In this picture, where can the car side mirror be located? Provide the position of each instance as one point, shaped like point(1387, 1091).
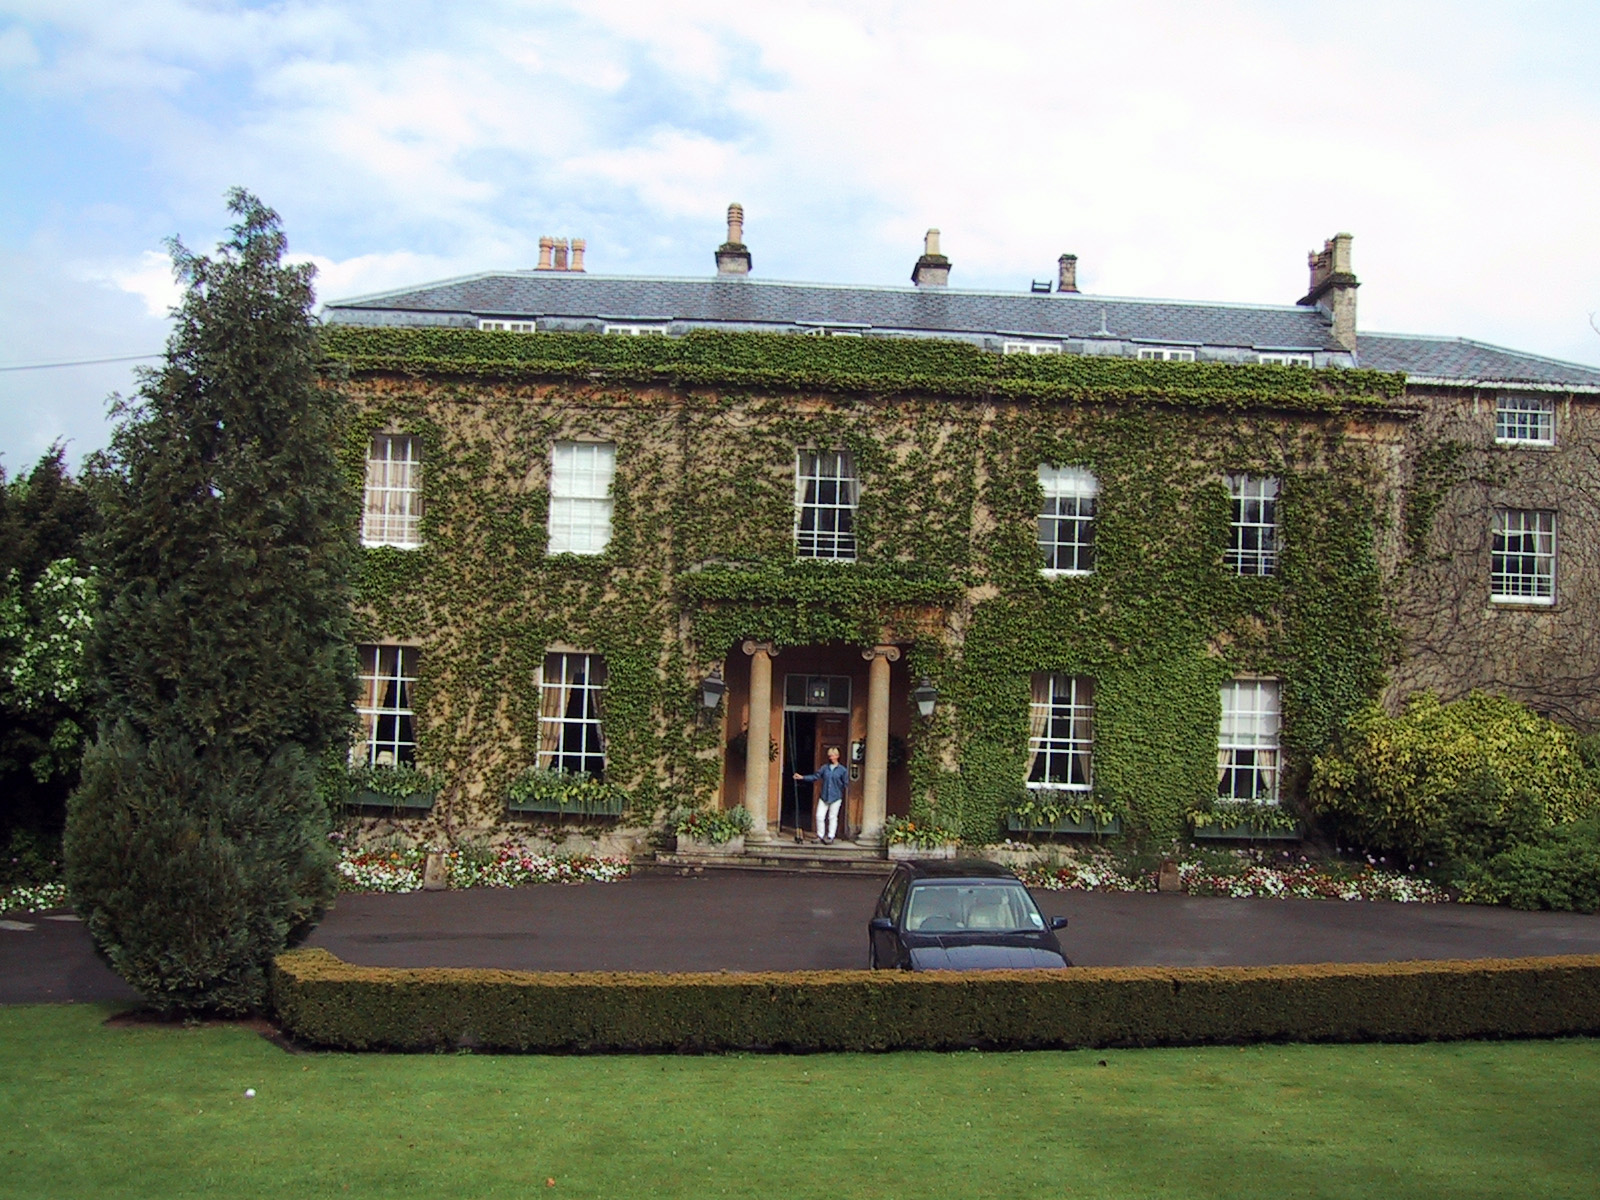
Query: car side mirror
point(881, 925)
point(1058, 922)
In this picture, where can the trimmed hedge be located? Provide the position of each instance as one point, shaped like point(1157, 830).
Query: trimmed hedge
point(324, 1001)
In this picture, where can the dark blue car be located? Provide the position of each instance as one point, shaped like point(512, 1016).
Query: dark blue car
point(960, 916)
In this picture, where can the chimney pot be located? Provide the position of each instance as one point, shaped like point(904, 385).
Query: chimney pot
point(933, 268)
point(561, 254)
point(1067, 277)
point(1333, 288)
point(733, 256)
point(545, 245)
point(578, 246)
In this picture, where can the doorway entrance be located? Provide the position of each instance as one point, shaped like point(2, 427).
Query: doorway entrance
point(816, 715)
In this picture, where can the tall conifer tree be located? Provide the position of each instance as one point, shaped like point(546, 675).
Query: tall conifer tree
point(196, 846)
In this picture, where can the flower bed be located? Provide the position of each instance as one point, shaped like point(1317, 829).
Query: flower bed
point(33, 898)
point(1243, 879)
point(400, 870)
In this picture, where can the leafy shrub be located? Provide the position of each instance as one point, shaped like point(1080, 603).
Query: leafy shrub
point(1450, 782)
point(30, 858)
point(1558, 870)
point(193, 866)
point(716, 826)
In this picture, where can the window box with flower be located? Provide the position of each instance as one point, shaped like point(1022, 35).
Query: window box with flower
point(401, 786)
point(564, 793)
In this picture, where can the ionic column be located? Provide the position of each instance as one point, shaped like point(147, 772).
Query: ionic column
point(875, 778)
point(758, 753)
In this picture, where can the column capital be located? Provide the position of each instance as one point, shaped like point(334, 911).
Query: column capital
point(754, 647)
point(892, 653)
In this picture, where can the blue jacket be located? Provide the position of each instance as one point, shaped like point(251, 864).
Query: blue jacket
point(835, 778)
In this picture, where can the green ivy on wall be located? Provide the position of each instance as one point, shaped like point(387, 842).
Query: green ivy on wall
point(947, 440)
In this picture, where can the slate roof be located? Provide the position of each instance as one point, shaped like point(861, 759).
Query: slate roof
point(1086, 324)
point(1425, 358)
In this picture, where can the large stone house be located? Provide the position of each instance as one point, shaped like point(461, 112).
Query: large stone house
point(1033, 561)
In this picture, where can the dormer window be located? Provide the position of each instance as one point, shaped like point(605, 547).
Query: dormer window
point(1165, 354)
point(1524, 420)
point(500, 326)
point(1277, 359)
point(1030, 348)
point(636, 330)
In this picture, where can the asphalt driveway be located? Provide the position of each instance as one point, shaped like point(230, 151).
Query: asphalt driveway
point(746, 921)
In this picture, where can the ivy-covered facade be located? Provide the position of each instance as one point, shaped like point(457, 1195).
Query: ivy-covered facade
point(1136, 593)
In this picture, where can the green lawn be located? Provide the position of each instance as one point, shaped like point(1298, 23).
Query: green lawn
point(91, 1111)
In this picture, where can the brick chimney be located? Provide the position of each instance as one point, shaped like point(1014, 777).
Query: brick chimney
point(733, 256)
point(561, 255)
point(1333, 288)
point(1067, 279)
point(933, 268)
point(578, 245)
point(546, 244)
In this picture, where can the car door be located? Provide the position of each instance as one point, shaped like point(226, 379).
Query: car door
point(886, 948)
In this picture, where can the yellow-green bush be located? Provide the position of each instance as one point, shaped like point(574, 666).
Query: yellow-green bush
point(326, 1002)
point(1450, 782)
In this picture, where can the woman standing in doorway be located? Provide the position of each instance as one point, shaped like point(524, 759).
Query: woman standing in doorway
point(835, 777)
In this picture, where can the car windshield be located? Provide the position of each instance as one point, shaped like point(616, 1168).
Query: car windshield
point(965, 906)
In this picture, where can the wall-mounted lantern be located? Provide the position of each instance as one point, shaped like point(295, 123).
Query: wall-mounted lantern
point(925, 696)
point(711, 689)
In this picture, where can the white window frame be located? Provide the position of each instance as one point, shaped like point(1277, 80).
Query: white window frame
point(1522, 556)
point(824, 331)
point(1071, 495)
point(636, 330)
point(385, 711)
point(1281, 359)
point(1061, 754)
point(1030, 348)
point(1253, 541)
point(1524, 419)
point(500, 325)
point(1249, 741)
point(581, 478)
point(1166, 354)
point(391, 503)
point(572, 710)
point(827, 490)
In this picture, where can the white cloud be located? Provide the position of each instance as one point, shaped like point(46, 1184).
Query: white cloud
point(151, 280)
point(1179, 149)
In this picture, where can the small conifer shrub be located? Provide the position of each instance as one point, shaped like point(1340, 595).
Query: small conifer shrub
point(196, 843)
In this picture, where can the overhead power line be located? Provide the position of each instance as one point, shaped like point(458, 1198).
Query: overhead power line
point(82, 362)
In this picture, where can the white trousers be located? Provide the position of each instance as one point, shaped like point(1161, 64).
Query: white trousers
point(828, 819)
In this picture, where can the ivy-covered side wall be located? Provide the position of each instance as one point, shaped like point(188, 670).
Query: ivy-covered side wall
point(947, 441)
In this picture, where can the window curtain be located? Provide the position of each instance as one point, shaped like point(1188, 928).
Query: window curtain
point(554, 692)
point(597, 698)
point(849, 481)
point(1038, 717)
point(1083, 731)
point(375, 494)
point(366, 714)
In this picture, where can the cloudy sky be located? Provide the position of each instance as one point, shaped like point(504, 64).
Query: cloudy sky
point(1181, 149)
